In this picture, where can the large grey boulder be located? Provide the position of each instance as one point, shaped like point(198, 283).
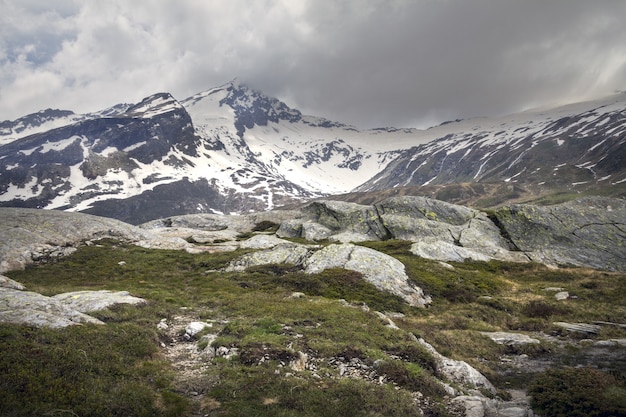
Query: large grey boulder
point(459, 371)
point(587, 232)
point(31, 308)
point(284, 253)
point(419, 218)
point(30, 235)
point(383, 271)
point(339, 216)
point(440, 230)
point(62, 310)
point(88, 301)
point(221, 222)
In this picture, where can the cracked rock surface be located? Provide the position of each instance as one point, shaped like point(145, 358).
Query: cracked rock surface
point(587, 232)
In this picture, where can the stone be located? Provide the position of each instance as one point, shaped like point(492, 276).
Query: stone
point(300, 362)
point(290, 228)
point(511, 339)
point(6, 282)
point(610, 343)
point(561, 295)
point(33, 309)
point(340, 216)
point(587, 232)
point(459, 371)
point(297, 295)
point(88, 301)
point(578, 327)
point(262, 242)
point(31, 235)
point(312, 231)
point(440, 250)
point(349, 237)
point(383, 271)
point(472, 405)
point(194, 328)
point(285, 253)
point(162, 325)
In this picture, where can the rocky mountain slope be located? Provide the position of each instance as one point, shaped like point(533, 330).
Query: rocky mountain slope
point(232, 150)
point(229, 149)
point(574, 148)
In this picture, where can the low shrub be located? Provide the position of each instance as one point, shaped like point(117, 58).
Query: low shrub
point(541, 309)
point(577, 392)
point(265, 226)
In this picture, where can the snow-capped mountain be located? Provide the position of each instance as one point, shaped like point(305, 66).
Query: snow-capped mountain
point(233, 149)
point(574, 147)
point(229, 149)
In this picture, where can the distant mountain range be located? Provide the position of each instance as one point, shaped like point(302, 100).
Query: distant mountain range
point(232, 149)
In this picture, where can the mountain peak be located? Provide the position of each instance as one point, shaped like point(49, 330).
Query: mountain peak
point(153, 105)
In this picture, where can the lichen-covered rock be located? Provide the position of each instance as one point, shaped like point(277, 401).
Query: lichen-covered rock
point(219, 222)
point(511, 339)
point(418, 218)
point(285, 253)
point(62, 310)
point(444, 251)
point(587, 232)
point(88, 301)
point(341, 216)
point(383, 271)
point(314, 231)
point(6, 282)
point(34, 309)
point(426, 209)
point(262, 242)
point(290, 228)
point(29, 235)
point(432, 248)
point(459, 371)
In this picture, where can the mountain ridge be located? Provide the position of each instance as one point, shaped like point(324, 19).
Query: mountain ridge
point(232, 149)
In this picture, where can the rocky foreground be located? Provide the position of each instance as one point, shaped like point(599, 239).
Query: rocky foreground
point(589, 232)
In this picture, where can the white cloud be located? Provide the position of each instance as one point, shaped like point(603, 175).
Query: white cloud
point(367, 62)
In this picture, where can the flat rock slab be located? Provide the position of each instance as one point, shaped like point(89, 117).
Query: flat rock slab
point(34, 309)
point(578, 327)
point(88, 301)
point(62, 310)
point(511, 339)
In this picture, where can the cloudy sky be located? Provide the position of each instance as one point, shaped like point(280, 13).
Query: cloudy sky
point(370, 63)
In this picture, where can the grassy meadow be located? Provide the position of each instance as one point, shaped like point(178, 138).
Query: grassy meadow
point(120, 370)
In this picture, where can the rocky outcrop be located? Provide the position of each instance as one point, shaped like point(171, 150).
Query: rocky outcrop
point(587, 232)
point(459, 371)
point(62, 310)
point(440, 230)
point(29, 235)
point(88, 301)
point(383, 271)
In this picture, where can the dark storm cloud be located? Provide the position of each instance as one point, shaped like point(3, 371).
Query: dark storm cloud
point(365, 62)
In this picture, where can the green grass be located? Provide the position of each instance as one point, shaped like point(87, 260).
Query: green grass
point(90, 370)
point(118, 369)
